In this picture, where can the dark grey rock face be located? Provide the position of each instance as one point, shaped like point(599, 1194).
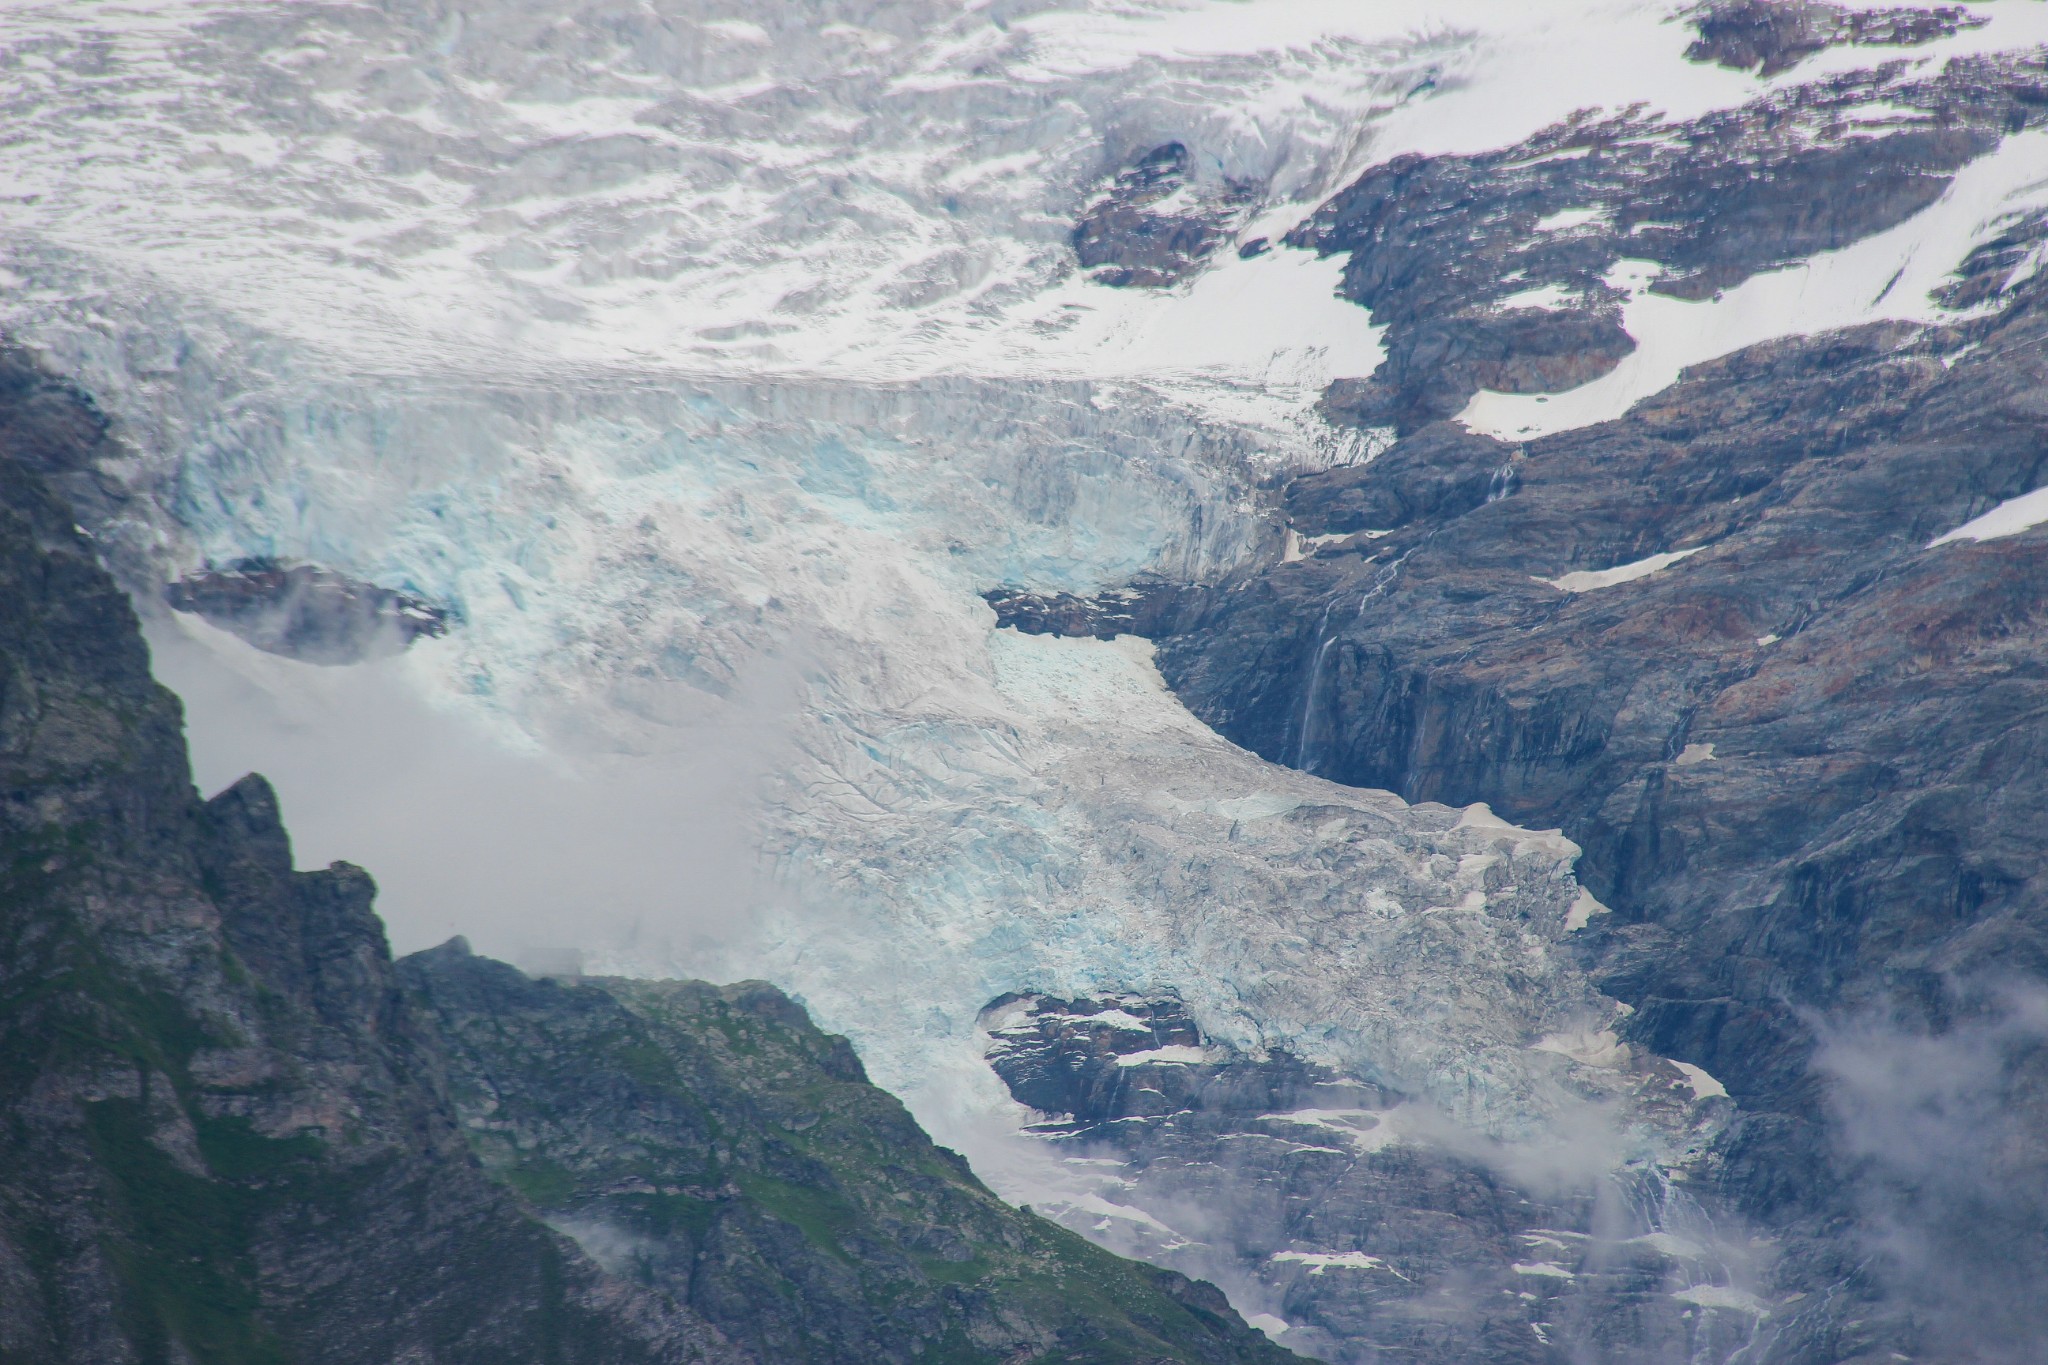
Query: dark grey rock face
point(303, 611)
point(1800, 743)
point(1094, 1061)
point(1157, 222)
point(1134, 610)
point(1770, 36)
point(224, 1139)
point(1343, 1207)
point(55, 430)
point(1446, 250)
point(1805, 761)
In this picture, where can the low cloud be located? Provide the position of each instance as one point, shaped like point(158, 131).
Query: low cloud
point(641, 850)
point(1946, 1134)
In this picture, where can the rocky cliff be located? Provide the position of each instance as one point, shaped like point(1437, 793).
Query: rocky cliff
point(226, 1139)
point(711, 1142)
point(230, 1135)
point(1729, 643)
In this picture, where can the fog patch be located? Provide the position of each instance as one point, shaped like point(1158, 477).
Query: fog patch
point(645, 842)
point(1946, 1133)
point(615, 1249)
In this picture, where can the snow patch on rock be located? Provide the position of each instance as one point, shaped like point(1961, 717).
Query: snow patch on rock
point(2009, 518)
point(1591, 580)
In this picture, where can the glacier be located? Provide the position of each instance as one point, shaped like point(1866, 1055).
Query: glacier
point(710, 360)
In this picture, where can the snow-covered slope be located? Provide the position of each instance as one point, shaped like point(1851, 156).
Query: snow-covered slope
point(710, 359)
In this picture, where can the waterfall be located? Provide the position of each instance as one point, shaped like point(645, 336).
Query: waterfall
point(1308, 700)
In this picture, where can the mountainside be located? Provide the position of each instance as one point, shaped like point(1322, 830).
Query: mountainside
point(226, 1139)
point(1374, 1232)
point(1767, 648)
point(230, 1136)
point(711, 1142)
point(1380, 652)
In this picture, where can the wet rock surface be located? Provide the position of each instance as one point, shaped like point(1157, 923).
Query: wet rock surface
point(1800, 743)
point(1771, 36)
point(1157, 221)
point(306, 612)
point(1341, 1205)
point(1499, 270)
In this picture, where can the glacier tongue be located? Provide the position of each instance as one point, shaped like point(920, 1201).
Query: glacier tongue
point(785, 575)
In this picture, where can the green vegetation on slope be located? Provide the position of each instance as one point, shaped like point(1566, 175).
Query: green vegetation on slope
point(713, 1142)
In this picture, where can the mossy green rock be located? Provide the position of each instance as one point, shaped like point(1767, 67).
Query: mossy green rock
point(712, 1143)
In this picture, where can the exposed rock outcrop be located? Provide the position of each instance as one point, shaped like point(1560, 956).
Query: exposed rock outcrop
point(305, 612)
point(1157, 222)
point(1497, 270)
point(1995, 269)
point(1771, 36)
point(1371, 1236)
point(1723, 643)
